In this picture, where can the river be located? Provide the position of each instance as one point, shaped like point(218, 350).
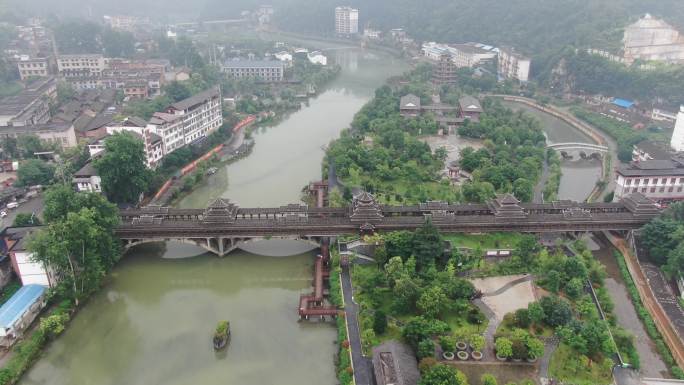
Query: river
point(152, 323)
point(579, 175)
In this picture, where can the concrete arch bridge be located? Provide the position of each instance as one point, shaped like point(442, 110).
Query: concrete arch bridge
point(583, 148)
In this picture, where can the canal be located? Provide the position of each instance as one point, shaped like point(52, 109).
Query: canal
point(579, 175)
point(153, 321)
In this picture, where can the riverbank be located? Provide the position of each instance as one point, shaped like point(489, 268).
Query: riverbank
point(598, 137)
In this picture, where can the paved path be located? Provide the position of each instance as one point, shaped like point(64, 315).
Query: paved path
point(33, 205)
point(363, 367)
point(491, 327)
point(507, 286)
point(550, 346)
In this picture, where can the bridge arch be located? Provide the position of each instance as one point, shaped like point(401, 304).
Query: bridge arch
point(222, 246)
point(578, 146)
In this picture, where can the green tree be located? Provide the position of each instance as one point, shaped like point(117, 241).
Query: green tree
point(535, 347)
point(122, 168)
point(426, 348)
point(447, 343)
point(523, 189)
point(118, 43)
point(26, 219)
point(34, 172)
point(29, 145)
point(441, 374)
point(428, 245)
point(557, 311)
point(420, 328)
point(177, 91)
point(488, 379)
point(379, 322)
point(574, 288)
point(477, 342)
point(433, 302)
point(527, 248)
point(406, 293)
point(78, 249)
point(535, 312)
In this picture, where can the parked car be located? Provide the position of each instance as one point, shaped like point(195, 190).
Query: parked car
point(12, 205)
point(3, 214)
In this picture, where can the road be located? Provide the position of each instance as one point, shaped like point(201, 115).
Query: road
point(34, 205)
point(363, 367)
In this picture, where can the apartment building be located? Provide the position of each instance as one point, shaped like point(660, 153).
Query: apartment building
point(461, 55)
point(264, 70)
point(659, 180)
point(512, 65)
point(346, 21)
point(201, 114)
point(81, 65)
point(31, 106)
point(35, 67)
point(170, 128)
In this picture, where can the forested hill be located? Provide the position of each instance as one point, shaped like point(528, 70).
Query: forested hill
point(532, 25)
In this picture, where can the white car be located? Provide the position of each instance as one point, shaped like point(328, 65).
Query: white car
point(3, 214)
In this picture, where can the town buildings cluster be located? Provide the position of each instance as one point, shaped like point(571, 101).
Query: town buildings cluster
point(450, 57)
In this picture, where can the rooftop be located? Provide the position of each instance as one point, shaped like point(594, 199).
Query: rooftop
point(253, 64)
point(656, 150)
point(18, 304)
point(623, 103)
point(196, 99)
point(395, 364)
point(652, 168)
point(86, 171)
point(470, 104)
point(409, 102)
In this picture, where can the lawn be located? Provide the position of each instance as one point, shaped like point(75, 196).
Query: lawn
point(484, 241)
point(566, 366)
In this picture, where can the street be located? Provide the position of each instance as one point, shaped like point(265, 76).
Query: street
point(33, 205)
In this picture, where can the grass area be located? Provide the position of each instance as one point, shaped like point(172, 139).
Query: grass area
point(484, 241)
point(567, 366)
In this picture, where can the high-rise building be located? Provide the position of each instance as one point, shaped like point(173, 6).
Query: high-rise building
point(512, 65)
point(677, 141)
point(346, 21)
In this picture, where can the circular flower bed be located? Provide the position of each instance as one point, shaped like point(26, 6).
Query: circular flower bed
point(500, 358)
point(448, 356)
point(477, 355)
point(463, 356)
point(532, 358)
point(461, 345)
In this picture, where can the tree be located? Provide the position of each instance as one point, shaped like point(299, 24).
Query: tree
point(574, 288)
point(34, 172)
point(419, 328)
point(441, 374)
point(379, 322)
point(527, 248)
point(26, 219)
point(426, 348)
point(488, 379)
point(177, 91)
point(406, 293)
point(535, 312)
point(122, 168)
point(432, 302)
point(557, 311)
point(118, 43)
point(394, 269)
point(29, 145)
point(504, 347)
point(523, 189)
point(427, 245)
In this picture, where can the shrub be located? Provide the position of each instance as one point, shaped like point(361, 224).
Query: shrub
point(488, 379)
point(426, 348)
point(504, 347)
point(519, 349)
point(379, 322)
point(522, 318)
point(535, 347)
point(447, 343)
point(477, 342)
point(426, 363)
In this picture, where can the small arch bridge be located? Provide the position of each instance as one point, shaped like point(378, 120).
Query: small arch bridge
point(589, 147)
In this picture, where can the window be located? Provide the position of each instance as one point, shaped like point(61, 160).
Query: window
point(663, 181)
point(670, 189)
point(653, 189)
point(646, 181)
point(634, 189)
point(662, 189)
point(643, 189)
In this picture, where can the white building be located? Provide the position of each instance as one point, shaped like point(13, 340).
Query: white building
point(677, 141)
point(153, 144)
point(36, 67)
point(18, 313)
point(317, 57)
point(29, 271)
point(170, 128)
point(659, 180)
point(512, 65)
point(372, 34)
point(660, 115)
point(81, 65)
point(346, 21)
point(201, 114)
point(87, 179)
point(461, 55)
point(283, 56)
